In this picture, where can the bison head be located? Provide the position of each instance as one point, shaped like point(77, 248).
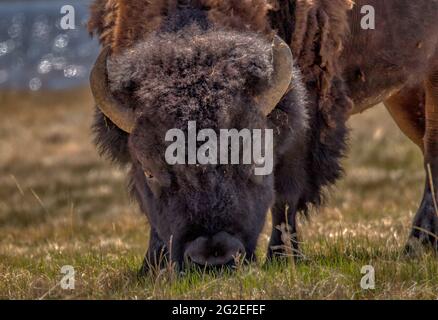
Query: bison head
point(206, 214)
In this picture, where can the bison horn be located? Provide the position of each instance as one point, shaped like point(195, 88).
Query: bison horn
point(283, 66)
point(122, 117)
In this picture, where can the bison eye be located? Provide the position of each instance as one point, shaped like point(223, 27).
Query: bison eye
point(148, 174)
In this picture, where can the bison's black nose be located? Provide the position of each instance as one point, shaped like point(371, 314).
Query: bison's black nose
point(220, 250)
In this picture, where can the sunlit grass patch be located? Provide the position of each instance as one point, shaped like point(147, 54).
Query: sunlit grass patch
point(60, 204)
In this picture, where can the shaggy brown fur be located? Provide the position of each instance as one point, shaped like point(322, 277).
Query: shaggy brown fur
point(315, 29)
point(319, 29)
point(121, 23)
point(316, 32)
point(317, 44)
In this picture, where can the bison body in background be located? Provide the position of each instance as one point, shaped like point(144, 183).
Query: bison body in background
point(220, 63)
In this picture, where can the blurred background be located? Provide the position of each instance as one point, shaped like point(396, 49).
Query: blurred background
point(36, 53)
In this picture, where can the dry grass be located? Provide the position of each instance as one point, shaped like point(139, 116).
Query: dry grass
point(60, 204)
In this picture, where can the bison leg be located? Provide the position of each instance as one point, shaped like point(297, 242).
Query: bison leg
point(425, 227)
point(156, 256)
point(416, 112)
point(284, 240)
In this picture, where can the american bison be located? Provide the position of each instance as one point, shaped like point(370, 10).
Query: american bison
point(299, 67)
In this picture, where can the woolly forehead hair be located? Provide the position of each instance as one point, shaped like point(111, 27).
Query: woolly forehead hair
point(192, 72)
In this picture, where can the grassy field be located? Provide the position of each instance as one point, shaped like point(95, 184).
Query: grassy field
point(60, 204)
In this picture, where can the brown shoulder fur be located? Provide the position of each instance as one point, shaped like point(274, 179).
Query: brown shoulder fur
point(317, 43)
point(320, 28)
point(316, 30)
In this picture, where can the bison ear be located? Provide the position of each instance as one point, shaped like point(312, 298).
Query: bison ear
point(281, 79)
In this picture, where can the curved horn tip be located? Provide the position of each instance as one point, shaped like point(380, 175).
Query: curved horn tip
point(122, 117)
point(282, 76)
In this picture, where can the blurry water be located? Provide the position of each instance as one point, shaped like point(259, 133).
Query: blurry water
point(36, 53)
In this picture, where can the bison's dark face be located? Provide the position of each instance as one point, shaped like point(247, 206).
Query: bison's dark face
point(206, 214)
point(209, 213)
